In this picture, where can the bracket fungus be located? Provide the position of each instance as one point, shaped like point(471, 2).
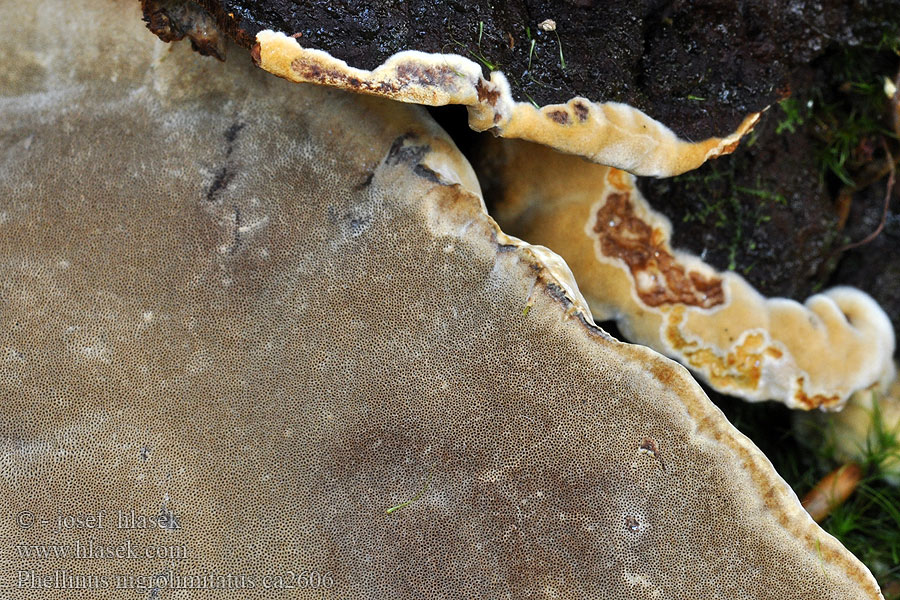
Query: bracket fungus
point(261, 316)
point(610, 132)
point(807, 356)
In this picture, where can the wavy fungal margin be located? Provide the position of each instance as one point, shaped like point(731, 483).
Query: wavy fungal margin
point(337, 328)
point(609, 133)
point(807, 356)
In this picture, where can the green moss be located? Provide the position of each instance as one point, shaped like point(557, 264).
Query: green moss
point(794, 116)
point(868, 524)
point(847, 113)
point(723, 205)
point(477, 53)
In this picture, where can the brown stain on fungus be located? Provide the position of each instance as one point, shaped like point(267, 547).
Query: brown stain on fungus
point(649, 446)
point(407, 75)
point(810, 402)
point(312, 71)
point(486, 94)
point(308, 70)
point(581, 111)
point(441, 77)
point(729, 148)
point(659, 278)
point(560, 116)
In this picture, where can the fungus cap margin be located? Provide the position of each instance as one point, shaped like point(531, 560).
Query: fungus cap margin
point(811, 355)
point(186, 248)
point(610, 133)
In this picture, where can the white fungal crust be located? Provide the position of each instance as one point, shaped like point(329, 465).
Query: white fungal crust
point(282, 316)
point(609, 133)
point(807, 356)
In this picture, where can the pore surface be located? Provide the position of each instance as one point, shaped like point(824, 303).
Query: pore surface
point(267, 314)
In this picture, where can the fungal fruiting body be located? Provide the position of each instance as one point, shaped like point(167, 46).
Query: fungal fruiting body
point(279, 312)
point(811, 355)
point(610, 133)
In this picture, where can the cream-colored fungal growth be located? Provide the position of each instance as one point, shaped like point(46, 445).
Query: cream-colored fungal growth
point(610, 133)
point(258, 335)
point(811, 355)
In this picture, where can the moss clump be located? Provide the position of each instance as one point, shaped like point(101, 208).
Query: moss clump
point(847, 112)
point(726, 205)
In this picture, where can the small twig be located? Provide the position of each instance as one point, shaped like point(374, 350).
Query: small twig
point(832, 491)
point(884, 212)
